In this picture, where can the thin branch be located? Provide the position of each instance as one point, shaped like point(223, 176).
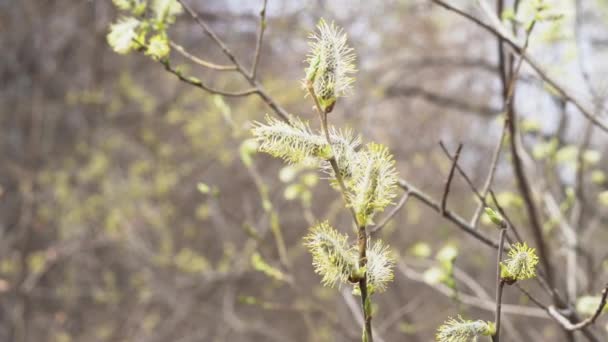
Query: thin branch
point(454, 218)
point(199, 84)
point(448, 182)
point(474, 301)
point(483, 200)
point(258, 46)
point(462, 173)
point(501, 33)
point(279, 111)
point(213, 36)
point(199, 61)
point(500, 284)
point(503, 213)
point(522, 180)
point(438, 99)
point(582, 324)
point(362, 237)
point(490, 178)
point(391, 214)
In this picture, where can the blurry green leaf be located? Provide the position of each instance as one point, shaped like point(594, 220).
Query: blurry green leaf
point(260, 265)
point(203, 188)
point(530, 125)
point(587, 305)
point(603, 198)
point(545, 149)
point(124, 5)
point(158, 47)
point(447, 253)
point(495, 217)
point(310, 179)
point(591, 157)
point(598, 176)
point(566, 154)
point(508, 14)
point(434, 276)
point(292, 191)
point(166, 10)
point(189, 261)
point(288, 173)
point(122, 34)
point(407, 328)
point(508, 199)
point(247, 149)
point(421, 250)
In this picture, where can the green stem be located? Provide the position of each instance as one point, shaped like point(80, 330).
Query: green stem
point(361, 229)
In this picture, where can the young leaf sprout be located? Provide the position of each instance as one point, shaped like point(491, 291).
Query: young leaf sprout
point(122, 35)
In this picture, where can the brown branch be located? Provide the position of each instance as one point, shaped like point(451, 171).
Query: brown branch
point(279, 111)
point(582, 324)
point(448, 182)
point(258, 45)
point(199, 84)
point(200, 61)
point(442, 100)
point(454, 218)
point(391, 214)
point(517, 48)
point(500, 284)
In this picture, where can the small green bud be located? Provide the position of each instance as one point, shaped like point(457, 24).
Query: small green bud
point(495, 217)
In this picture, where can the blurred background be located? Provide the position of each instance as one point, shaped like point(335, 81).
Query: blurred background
point(129, 212)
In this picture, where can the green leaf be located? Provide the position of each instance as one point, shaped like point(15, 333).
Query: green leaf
point(587, 305)
point(122, 34)
point(124, 5)
point(603, 198)
point(246, 150)
point(203, 188)
point(598, 176)
point(166, 10)
point(592, 157)
point(495, 217)
point(544, 149)
point(421, 250)
point(259, 264)
point(158, 47)
point(288, 173)
point(292, 192)
point(567, 154)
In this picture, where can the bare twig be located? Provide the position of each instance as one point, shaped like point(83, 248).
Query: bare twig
point(200, 61)
point(391, 214)
point(500, 284)
point(490, 178)
point(454, 218)
point(582, 324)
point(497, 30)
point(258, 46)
point(448, 182)
point(260, 91)
point(199, 84)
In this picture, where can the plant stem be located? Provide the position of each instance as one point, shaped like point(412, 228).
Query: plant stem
point(500, 284)
point(361, 227)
